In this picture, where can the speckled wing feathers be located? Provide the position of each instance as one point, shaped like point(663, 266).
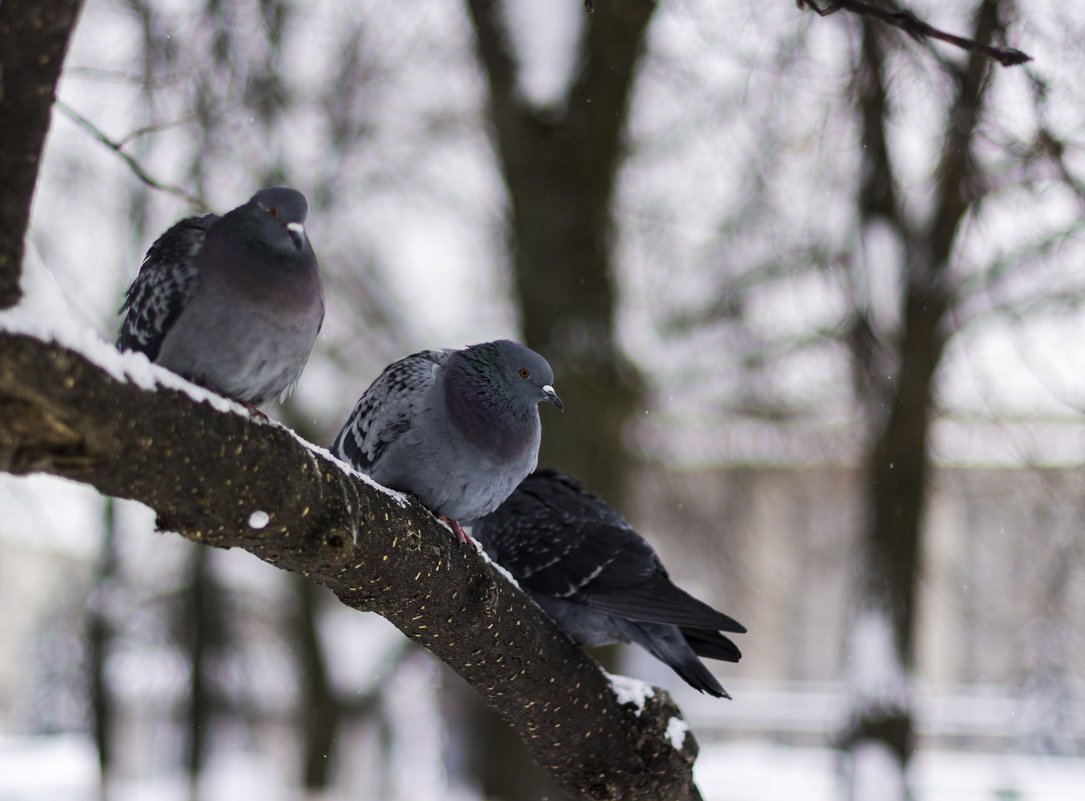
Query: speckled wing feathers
point(385, 411)
point(167, 281)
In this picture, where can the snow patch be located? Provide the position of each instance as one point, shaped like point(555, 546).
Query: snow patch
point(876, 773)
point(876, 674)
point(631, 691)
point(677, 729)
point(545, 41)
point(259, 519)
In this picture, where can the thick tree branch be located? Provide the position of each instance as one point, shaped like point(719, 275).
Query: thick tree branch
point(34, 36)
point(917, 28)
point(205, 473)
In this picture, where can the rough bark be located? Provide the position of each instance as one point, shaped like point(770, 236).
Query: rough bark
point(205, 472)
point(34, 37)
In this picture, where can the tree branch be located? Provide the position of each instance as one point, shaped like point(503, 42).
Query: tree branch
point(918, 29)
point(205, 472)
point(33, 40)
point(117, 146)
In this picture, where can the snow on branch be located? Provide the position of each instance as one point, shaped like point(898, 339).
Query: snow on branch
point(916, 28)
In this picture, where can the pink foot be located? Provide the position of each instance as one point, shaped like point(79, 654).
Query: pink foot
point(461, 535)
point(257, 413)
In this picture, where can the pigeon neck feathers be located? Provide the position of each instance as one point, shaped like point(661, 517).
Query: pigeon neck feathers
point(483, 406)
point(259, 256)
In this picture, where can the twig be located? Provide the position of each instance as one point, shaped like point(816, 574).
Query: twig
point(154, 128)
point(118, 148)
point(917, 28)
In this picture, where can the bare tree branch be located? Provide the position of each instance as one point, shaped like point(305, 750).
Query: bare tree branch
point(117, 146)
point(205, 472)
point(916, 28)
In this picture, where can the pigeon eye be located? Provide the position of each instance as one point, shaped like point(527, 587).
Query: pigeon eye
point(525, 373)
point(272, 212)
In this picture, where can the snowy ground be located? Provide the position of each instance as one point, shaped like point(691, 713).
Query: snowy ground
point(63, 768)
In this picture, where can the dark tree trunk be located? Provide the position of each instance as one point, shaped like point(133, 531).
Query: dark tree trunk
point(34, 37)
point(900, 404)
point(99, 639)
point(321, 710)
point(199, 613)
point(560, 167)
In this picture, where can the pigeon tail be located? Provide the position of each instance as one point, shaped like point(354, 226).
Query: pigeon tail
point(667, 644)
point(711, 644)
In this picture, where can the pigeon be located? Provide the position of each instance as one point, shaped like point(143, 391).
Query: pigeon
point(599, 580)
point(458, 428)
point(233, 302)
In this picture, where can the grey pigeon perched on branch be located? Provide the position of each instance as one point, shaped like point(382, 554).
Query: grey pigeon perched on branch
point(232, 303)
point(599, 580)
point(458, 428)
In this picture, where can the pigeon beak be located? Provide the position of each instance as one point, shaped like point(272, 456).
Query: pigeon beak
point(297, 233)
point(553, 396)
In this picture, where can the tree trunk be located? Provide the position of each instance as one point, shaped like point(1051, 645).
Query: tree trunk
point(881, 648)
point(560, 165)
point(321, 711)
point(34, 37)
point(99, 641)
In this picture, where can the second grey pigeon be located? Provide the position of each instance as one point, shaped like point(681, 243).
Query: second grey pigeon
point(599, 580)
point(458, 428)
point(232, 303)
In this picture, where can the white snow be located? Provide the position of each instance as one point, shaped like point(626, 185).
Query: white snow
point(259, 519)
point(875, 673)
point(631, 691)
point(545, 40)
point(677, 729)
point(59, 767)
point(64, 768)
point(876, 773)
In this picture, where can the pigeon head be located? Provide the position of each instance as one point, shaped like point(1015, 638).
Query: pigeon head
point(517, 373)
point(280, 214)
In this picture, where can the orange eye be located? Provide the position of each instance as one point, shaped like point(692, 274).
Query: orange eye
point(272, 212)
point(525, 373)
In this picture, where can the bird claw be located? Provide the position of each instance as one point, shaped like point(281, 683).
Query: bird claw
point(461, 535)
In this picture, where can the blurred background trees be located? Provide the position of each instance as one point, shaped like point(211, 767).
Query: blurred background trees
point(799, 278)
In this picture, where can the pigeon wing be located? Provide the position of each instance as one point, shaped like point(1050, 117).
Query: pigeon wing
point(168, 279)
point(560, 539)
point(385, 410)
